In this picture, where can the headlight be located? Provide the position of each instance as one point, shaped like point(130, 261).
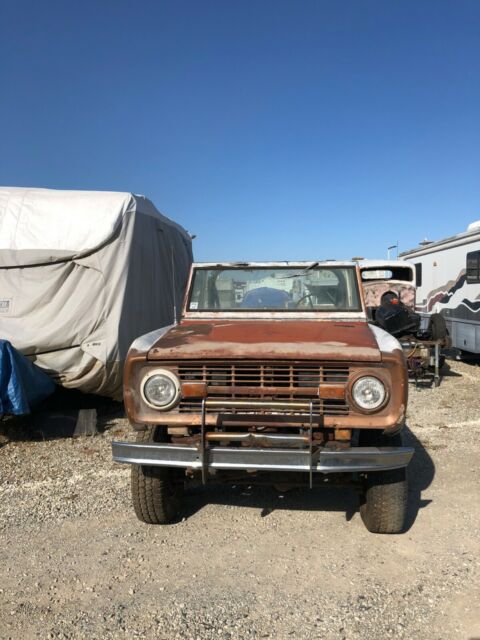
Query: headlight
point(161, 389)
point(369, 393)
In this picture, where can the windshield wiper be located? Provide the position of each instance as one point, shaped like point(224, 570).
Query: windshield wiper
point(302, 273)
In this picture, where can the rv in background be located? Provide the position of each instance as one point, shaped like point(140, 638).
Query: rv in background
point(448, 282)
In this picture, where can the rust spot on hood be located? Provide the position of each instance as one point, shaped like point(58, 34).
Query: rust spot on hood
point(269, 339)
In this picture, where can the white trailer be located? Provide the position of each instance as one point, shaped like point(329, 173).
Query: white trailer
point(448, 282)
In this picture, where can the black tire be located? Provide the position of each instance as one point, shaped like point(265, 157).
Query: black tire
point(384, 499)
point(437, 327)
point(157, 492)
point(384, 502)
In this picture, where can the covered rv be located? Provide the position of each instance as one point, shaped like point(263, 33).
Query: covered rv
point(448, 282)
point(82, 274)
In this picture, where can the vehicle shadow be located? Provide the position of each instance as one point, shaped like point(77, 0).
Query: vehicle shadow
point(267, 499)
point(421, 472)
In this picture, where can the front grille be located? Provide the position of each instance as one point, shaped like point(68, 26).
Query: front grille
point(324, 407)
point(263, 375)
point(264, 381)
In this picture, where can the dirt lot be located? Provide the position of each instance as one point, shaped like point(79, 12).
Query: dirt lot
point(244, 563)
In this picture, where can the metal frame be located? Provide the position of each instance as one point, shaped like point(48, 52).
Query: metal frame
point(263, 404)
point(434, 348)
point(310, 448)
point(204, 460)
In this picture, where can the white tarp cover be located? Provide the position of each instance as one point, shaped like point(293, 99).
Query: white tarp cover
point(82, 274)
point(76, 221)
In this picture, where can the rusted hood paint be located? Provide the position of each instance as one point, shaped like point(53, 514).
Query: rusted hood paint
point(268, 339)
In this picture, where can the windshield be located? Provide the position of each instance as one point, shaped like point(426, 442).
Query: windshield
point(313, 288)
point(388, 273)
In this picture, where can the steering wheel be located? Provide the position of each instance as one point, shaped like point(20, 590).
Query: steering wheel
point(307, 295)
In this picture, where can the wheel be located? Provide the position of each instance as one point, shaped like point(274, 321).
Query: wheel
point(384, 501)
point(157, 492)
point(383, 505)
point(437, 327)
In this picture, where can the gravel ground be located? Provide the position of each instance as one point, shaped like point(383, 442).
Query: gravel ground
point(244, 563)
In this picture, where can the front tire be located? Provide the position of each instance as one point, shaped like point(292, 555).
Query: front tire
point(157, 492)
point(384, 499)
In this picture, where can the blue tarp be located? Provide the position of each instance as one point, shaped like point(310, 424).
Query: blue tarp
point(22, 384)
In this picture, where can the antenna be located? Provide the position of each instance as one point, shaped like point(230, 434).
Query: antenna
point(174, 290)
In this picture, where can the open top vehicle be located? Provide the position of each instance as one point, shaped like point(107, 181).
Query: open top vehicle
point(274, 376)
point(382, 276)
point(389, 289)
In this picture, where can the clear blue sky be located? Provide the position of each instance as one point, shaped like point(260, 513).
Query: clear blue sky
point(271, 129)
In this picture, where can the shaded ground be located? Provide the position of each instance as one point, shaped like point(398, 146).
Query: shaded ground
point(245, 563)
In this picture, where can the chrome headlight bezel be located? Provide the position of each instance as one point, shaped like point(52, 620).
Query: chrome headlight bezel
point(384, 391)
point(172, 378)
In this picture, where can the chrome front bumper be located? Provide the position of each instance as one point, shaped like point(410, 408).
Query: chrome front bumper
point(321, 460)
point(298, 453)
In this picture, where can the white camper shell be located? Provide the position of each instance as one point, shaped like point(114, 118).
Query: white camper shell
point(82, 274)
point(448, 282)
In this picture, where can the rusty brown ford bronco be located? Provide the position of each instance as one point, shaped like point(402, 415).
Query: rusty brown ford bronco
point(271, 376)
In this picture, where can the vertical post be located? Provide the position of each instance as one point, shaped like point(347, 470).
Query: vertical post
point(310, 448)
point(437, 363)
point(203, 452)
point(174, 286)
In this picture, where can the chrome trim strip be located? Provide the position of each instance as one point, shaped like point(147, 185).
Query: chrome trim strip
point(355, 459)
point(274, 438)
point(249, 404)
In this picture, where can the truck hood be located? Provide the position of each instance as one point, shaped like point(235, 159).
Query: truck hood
point(269, 340)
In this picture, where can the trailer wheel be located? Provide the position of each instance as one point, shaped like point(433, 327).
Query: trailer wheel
point(384, 497)
point(437, 327)
point(157, 492)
